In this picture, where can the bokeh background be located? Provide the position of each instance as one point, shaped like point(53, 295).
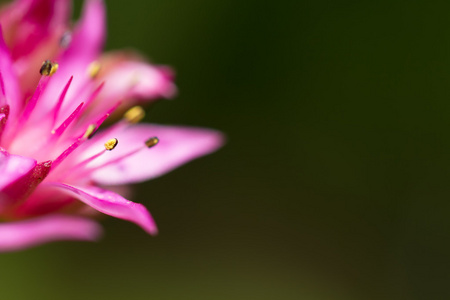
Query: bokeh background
point(334, 183)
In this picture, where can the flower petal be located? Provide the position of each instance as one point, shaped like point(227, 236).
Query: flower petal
point(111, 204)
point(9, 89)
point(177, 146)
point(85, 47)
point(32, 30)
point(13, 168)
point(138, 80)
point(30, 23)
point(20, 176)
point(89, 36)
point(23, 234)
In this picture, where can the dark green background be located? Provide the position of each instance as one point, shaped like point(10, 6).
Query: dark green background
point(334, 180)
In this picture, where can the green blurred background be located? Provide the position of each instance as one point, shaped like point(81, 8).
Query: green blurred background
point(334, 180)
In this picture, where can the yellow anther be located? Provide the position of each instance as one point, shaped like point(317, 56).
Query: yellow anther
point(94, 69)
point(151, 142)
point(134, 114)
point(89, 131)
point(48, 68)
point(111, 144)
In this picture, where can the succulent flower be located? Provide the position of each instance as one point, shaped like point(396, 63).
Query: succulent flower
point(56, 89)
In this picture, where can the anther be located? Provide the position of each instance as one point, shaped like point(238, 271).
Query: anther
point(111, 144)
point(151, 142)
point(134, 114)
point(48, 68)
point(89, 131)
point(93, 69)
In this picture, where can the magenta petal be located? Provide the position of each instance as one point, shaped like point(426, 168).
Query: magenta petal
point(9, 92)
point(48, 14)
point(20, 176)
point(138, 80)
point(85, 47)
point(13, 167)
point(89, 36)
point(177, 146)
point(23, 234)
point(29, 23)
point(112, 204)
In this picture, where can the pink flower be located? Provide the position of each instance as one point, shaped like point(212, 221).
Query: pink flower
point(55, 174)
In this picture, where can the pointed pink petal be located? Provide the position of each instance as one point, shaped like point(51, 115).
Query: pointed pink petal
point(59, 131)
point(23, 234)
point(177, 146)
point(89, 36)
point(111, 204)
point(9, 83)
point(13, 167)
point(19, 177)
point(138, 80)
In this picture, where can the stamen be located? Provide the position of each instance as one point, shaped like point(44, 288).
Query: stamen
point(148, 144)
point(111, 144)
point(60, 101)
point(88, 160)
point(67, 122)
point(131, 116)
point(66, 152)
point(94, 69)
point(80, 168)
point(2, 84)
point(90, 131)
point(102, 119)
point(151, 142)
point(95, 93)
point(80, 172)
point(58, 132)
point(134, 114)
point(48, 68)
point(42, 84)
